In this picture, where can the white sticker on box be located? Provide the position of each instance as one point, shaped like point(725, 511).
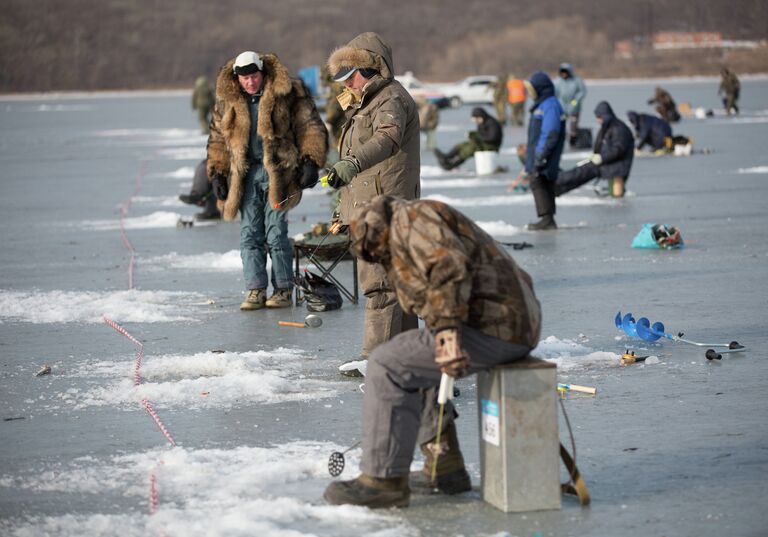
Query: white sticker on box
point(490, 422)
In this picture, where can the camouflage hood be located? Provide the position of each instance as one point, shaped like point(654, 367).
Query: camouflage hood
point(366, 51)
point(369, 230)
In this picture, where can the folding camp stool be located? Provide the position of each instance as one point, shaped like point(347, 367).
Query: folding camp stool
point(332, 255)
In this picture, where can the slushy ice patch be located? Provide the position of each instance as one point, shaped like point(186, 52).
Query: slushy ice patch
point(158, 201)
point(453, 181)
point(153, 137)
point(202, 380)
point(755, 169)
point(568, 354)
point(56, 306)
point(499, 228)
point(514, 199)
point(265, 491)
point(185, 172)
point(206, 262)
point(182, 153)
point(158, 219)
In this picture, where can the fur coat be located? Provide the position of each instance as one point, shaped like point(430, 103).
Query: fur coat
point(289, 126)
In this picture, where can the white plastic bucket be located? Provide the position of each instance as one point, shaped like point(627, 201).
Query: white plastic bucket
point(485, 162)
point(683, 150)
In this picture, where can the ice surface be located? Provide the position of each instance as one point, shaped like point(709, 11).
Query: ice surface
point(257, 409)
point(755, 169)
point(498, 200)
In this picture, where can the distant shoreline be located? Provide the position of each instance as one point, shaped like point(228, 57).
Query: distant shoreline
point(167, 93)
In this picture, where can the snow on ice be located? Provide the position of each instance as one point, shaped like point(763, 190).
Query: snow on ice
point(209, 261)
point(40, 307)
point(158, 219)
point(265, 491)
point(202, 380)
point(513, 199)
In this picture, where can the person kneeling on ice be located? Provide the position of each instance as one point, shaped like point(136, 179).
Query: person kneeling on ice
point(201, 194)
point(487, 137)
point(652, 131)
point(611, 160)
point(480, 311)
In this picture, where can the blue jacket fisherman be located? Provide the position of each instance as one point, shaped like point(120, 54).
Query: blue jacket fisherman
point(546, 137)
point(266, 144)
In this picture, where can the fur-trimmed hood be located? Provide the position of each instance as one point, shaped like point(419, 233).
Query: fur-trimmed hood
point(366, 51)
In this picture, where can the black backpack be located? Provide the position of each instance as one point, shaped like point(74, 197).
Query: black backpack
point(583, 139)
point(320, 294)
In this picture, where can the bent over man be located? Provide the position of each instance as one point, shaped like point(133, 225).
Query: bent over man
point(480, 311)
point(266, 144)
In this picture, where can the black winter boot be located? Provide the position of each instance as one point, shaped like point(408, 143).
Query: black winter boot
point(441, 159)
point(193, 198)
point(450, 160)
point(370, 492)
point(453, 161)
point(543, 192)
point(546, 222)
point(451, 475)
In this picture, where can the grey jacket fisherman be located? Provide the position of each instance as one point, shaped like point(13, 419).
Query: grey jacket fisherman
point(288, 124)
point(381, 131)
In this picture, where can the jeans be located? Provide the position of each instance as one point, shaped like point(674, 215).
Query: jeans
point(263, 228)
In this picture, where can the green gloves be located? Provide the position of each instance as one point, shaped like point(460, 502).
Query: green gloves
point(341, 174)
point(596, 159)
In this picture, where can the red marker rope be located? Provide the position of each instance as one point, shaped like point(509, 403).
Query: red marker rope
point(159, 423)
point(153, 496)
point(153, 500)
point(123, 212)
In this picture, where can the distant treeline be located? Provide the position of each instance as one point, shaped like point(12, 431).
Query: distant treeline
point(50, 45)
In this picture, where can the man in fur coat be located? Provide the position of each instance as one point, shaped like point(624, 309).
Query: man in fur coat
point(266, 144)
point(379, 151)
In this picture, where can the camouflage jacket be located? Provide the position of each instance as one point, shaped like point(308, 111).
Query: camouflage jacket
point(447, 270)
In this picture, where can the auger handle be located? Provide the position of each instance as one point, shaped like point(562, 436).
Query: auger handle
point(290, 323)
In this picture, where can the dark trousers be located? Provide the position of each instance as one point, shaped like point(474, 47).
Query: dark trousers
point(570, 179)
point(401, 385)
point(543, 191)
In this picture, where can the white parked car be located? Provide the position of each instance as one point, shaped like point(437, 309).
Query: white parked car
point(471, 90)
point(417, 88)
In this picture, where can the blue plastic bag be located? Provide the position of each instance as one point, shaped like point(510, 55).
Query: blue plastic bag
point(658, 236)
